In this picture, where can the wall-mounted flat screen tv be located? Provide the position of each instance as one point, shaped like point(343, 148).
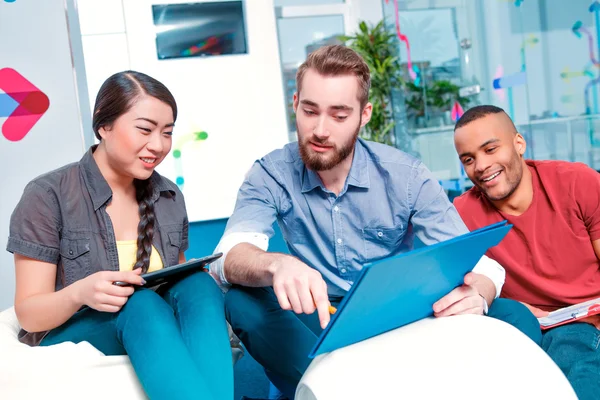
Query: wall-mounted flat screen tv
point(199, 29)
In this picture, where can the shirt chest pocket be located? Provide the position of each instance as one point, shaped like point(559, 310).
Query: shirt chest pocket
point(381, 242)
point(174, 240)
point(76, 258)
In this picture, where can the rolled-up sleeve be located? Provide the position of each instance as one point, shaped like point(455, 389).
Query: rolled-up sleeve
point(259, 200)
point(435, 219)
point(493, 270)
point(35, 225)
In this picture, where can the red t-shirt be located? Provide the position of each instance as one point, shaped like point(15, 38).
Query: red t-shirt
point(548, 254)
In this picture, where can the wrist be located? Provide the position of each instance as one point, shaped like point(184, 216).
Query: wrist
point(485, 287)
point(274, 263)
point(73, 294)
point(485, 305)
point(277, 261)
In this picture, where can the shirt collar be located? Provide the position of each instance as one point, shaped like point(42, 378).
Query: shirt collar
point(310, 180)
point(99, 189)
point(359, 171)
point(357, 177)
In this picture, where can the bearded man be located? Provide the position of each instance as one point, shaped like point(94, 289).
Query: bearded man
point(340, 202)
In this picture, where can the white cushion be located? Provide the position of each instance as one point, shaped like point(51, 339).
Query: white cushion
point(62, 371)
point(466, 357)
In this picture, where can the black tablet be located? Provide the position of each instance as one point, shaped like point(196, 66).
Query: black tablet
point(176, 272)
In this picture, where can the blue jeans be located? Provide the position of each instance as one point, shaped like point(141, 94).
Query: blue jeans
point(281, 340)
point(178, 344)
point(575, 348)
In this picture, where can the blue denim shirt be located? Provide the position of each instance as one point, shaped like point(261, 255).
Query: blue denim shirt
point(388, 198)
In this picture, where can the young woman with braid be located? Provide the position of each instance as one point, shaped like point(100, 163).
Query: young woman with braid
point(111, 217)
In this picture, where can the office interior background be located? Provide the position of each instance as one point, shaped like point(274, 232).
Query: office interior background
point(231, 66)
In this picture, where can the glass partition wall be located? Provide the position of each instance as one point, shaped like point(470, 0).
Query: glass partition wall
point(538, 60)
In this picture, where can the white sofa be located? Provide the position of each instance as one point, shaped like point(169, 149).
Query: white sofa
point(466, 357)
point(461, 357)
point(66, 370)
point(63, 371)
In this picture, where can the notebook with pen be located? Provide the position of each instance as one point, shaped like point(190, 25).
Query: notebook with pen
point(570, 314)
point(396, 291)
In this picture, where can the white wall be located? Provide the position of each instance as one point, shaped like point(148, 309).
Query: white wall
point(370, 11)
point(236, 99)
point(35, 43)
point(104, 41)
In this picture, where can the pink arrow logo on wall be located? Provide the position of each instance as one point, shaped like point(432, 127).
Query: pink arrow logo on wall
point(22, 103)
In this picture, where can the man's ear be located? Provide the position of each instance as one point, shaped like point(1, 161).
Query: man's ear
point(295, 104)
point(520, 144)
point(366, 114)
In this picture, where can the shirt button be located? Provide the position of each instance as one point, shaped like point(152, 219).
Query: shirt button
point(70, 252)
point(380, 234)
point(336, 209)
point(344, 270)
point(339, 241)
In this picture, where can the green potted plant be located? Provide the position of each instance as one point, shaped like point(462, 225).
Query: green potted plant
point(426, 102)
point(376, 45)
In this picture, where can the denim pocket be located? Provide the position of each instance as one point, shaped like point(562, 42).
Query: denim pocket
point(175, 239)
point(381, 242)
point(174, 247)
point(75, 258)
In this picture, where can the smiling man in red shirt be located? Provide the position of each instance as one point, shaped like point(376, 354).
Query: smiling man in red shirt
point(551, 255)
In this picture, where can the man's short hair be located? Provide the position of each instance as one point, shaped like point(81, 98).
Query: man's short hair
point(338, 60)
point(476, 113)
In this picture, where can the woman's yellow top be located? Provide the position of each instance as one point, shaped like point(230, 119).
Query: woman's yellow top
point(127, 250)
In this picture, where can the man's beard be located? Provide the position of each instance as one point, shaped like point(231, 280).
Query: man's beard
point(513, 176)
point(323, 162)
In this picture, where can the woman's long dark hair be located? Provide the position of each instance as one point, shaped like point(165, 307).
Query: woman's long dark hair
point(116, 97)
